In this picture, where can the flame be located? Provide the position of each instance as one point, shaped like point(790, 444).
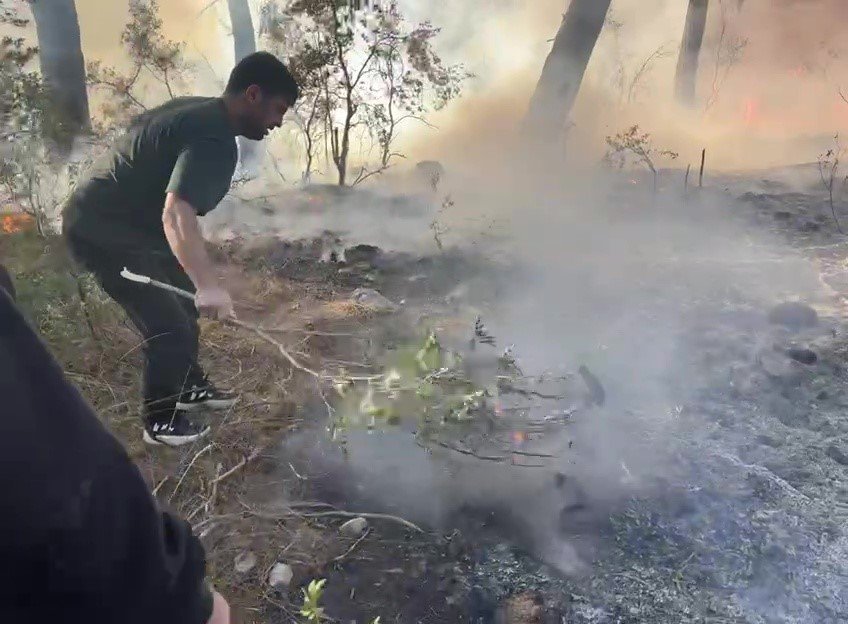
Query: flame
point(17, 222)
point(518, 437)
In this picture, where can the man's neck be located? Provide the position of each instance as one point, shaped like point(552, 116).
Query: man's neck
point(232, 107)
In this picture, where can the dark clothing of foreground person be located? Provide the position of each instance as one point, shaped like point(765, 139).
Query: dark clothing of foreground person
point(84, 539)
point(138, 207)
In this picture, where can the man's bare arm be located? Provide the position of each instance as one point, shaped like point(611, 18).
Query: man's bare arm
point(183, 233)
point(182, 230)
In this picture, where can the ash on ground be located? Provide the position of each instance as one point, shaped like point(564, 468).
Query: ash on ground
point(745, 519)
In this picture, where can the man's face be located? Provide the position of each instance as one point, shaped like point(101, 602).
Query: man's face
point(264, 113)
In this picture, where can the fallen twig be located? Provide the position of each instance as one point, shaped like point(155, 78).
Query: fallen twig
point(209, 503)
point(529, 454)
point(205, 449)
point(497, 458)
point(507, 388)
point(159, 487)
point(244, 461)
point(353, 547)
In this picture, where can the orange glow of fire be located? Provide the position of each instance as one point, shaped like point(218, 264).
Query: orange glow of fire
point(752, 111)
point(799, 71)
point(518, 437)
point(18, 222)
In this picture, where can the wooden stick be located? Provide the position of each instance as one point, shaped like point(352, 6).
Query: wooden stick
point(703, 161)
point(144, 279)
point(686, 179)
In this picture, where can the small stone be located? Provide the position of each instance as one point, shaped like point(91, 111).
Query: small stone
point(372, 299)
point(280, 576)
point(794, 315)
point(805, 356)
point(354, 528)
point(837, 454)
point(245, 562)
point(769, 440)
point(361, 254)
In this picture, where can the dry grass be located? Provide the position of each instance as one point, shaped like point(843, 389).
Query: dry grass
point(219, 485)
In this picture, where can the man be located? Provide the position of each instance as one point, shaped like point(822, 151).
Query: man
point(138, 209)
point(87, 542)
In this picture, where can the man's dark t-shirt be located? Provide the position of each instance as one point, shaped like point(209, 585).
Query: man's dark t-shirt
point(185, 146)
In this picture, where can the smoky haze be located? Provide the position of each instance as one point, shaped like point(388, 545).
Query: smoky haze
point(610, 277)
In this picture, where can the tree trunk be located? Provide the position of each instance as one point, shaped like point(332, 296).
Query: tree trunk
point(690, 50)
point(244, 44)
point(244, 38)
point(63, 68)
point(565, 67)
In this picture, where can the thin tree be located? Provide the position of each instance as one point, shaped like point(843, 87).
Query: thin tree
point(565, 67)
point(690, 51)
point(63, 68)
point(244, 44)
point(241, 22)
point(363, 72)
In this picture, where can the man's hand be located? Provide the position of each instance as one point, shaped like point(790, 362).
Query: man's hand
point(220, 610)
point(214, 302)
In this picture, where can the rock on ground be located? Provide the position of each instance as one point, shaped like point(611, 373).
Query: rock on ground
point(838, 454)
point(280, 576)
point(794, 315)
point(372, 299)
point(245, 562)
point(354, 528)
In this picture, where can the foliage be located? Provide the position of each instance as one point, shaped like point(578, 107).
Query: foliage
point(729, 50)
point(438, 228)
point(627, 80)
point(829, 163)
point(311, 609)
point(362, 73)
point(27, 174)
point(153, 56)
point(632, 145)
point(423, 379)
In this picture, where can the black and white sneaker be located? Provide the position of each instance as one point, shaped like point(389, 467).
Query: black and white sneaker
point(206, 396)
point(177, 430)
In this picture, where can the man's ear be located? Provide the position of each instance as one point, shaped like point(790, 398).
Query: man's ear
point(253, 93)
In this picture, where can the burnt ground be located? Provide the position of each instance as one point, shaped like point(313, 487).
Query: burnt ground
point(746, 524)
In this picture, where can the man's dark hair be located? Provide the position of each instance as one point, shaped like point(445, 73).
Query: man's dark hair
point(266, 71)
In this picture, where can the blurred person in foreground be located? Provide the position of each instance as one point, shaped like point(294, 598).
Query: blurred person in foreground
point(85, 539)
point(138, 208)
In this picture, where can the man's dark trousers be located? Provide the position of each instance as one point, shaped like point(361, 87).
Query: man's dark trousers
point(166, 321)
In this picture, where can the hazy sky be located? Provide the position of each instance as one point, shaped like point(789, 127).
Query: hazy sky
point(785, 84)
